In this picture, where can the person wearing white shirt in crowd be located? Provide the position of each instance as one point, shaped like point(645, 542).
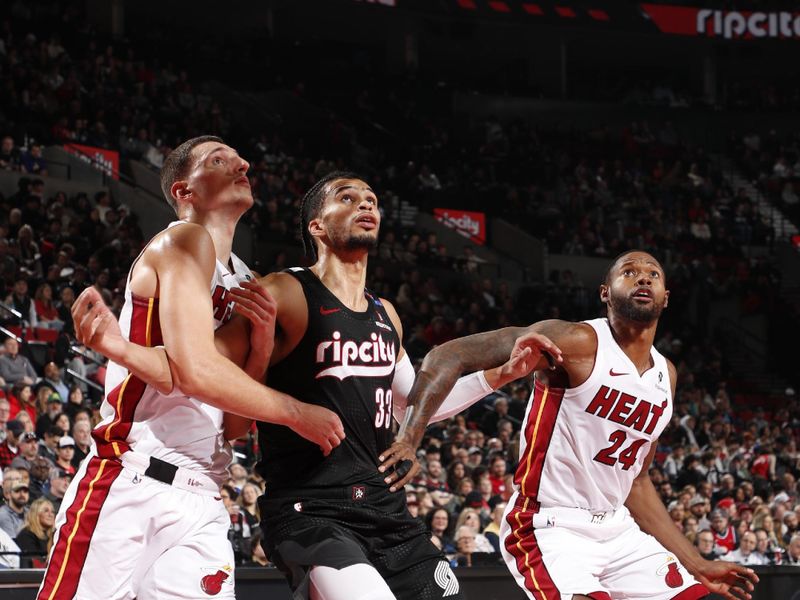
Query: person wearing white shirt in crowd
point(793, 551)
point(745, 554)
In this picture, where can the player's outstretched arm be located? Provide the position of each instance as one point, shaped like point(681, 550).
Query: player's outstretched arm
point(732, 581)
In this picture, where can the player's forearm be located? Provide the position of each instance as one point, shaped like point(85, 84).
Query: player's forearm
point(217, 381)
point(151, 365)
point(649, 513)
point(441, 369)
point(257, 363)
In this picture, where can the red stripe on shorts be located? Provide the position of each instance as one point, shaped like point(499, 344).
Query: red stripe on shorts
point(145, 330)
point(522, 545)
point(698, 590)
point(66, 562)
point(539, 427)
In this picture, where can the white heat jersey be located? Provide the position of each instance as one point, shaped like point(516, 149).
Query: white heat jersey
point(175, 428)
point(582, 447)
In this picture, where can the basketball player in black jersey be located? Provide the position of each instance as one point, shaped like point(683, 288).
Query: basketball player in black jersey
point(333, 524)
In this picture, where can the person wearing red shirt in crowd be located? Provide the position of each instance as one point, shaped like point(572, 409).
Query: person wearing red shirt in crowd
point(724, 534)
point(46, 311)
point(9, 448)
point(763, 466)
point(22, 398)
point(497, 475)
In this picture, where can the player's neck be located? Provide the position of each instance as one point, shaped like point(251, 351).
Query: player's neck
point(345, 276)
point(221, 226)
point(635, 339)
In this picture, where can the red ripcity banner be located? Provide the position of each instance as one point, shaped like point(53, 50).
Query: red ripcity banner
point(469, 224)
point(727, 24)
point(105, 160)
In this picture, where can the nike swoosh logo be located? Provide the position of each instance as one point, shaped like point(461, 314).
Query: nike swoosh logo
point(328, 311)
point(613, 374)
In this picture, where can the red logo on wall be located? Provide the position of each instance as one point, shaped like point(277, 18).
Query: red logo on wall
point(468, 223)
point(102, 159)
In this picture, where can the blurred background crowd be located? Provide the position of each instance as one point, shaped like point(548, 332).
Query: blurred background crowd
point(715, 211)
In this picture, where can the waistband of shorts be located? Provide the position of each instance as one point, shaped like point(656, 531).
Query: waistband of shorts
point(356, 492)
point(160, 470)
point(567, 514)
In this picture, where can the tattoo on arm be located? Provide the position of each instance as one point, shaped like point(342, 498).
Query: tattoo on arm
point(444, 365)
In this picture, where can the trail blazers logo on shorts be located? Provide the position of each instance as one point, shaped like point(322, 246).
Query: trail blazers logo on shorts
point(446, 579)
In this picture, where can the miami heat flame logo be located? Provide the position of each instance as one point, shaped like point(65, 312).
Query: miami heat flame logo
point(212, 584)
point(672, 576)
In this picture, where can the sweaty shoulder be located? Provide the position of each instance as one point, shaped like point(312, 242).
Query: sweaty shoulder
point(173, 251)
point(292, 312)
point(578, 345)
point(572, 338)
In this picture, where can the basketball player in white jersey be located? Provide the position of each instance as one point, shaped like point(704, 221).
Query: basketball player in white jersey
point(143, 517)
point(585, 521)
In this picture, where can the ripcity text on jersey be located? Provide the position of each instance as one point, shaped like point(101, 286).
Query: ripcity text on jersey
point(344, 362)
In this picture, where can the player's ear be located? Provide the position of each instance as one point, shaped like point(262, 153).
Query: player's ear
point(316, 228)
point(603, 293)
point(666, 298)
point(180, 191)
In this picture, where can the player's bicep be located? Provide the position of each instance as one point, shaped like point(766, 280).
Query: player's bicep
point(184, 270)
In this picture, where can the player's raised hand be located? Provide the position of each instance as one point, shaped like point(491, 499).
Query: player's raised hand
point(96, 326)
point(399, 463)
point(528, 350)
point(727, 579)
point(319, 425)
point(253, 301)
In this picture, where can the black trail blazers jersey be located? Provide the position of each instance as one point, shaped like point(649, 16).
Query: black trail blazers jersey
point(344, 362)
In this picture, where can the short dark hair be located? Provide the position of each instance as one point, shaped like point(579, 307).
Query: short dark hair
point(311, 205)
point(177, 163)
point(607, 278)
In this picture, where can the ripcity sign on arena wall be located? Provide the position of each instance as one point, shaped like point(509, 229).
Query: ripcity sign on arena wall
point(727, 24)
point(670, 19)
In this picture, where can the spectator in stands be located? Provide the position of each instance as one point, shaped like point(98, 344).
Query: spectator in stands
point(257, 556)
point(52, 377)
point(469, 517)
point(438, 523)
point(763, 520)
point(12, 513)
point(492, 530)
point(59, 482)
point(5, 413)
point(34, 537)
point(490, 419)
point(9, 155)
point(466, 545)
point(28, 451)
point(53, 409)
point(33, 162)
point(724, 532)
point(793, 551)
point(248, 501)
point(82, 434)
point(9, 447)
point(746, 553)
point(46, 311)
point(65, 451)
point(48, 442)
point(13, 366)
point(705, 544)
point(39, 476)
